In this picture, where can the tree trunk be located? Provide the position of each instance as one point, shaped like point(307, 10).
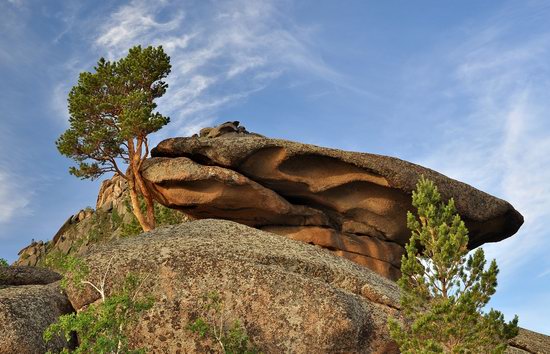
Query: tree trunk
point(138, 185)
point(135, 204)
point(148, 199)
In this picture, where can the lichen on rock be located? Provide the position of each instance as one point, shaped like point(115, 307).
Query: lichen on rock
point(354, 204)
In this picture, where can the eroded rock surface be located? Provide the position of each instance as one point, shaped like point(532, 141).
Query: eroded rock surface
point(87, 226)
point(290, 296)
point(351, 203)
point(529, 342)
point(27, 310)
point(23, 275)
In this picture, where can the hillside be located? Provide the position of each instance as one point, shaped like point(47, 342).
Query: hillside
point(301, 244)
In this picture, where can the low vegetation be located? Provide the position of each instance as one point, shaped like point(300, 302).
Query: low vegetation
point(101, 326)
point(444, 290)
point(163, 216)
point(212, 321)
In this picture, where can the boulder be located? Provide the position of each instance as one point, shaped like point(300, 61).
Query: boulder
point(30, 255)
point(25, 312)
point(290, 296)
point(352, 203)
point(231, 128)
point(111, 193)
point(529, 342)
point(24, 275)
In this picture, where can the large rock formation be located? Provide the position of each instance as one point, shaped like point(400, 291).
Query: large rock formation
point(351, 203)
point(86, 227)
point(529, 342)
point(30, 300)
point(290, 296)
point(22, 275)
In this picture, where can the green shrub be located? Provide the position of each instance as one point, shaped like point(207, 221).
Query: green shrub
point(73, 268)
point(101, 326)
point(116, 219)
point(163, 216)
point(3, 263)
point(211, 322)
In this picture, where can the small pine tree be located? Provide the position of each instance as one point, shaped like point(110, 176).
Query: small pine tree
point(443, 289)
point(112, 112)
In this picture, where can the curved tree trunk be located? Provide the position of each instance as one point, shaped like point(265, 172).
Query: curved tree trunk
point(149, 204)
point(143, 221)
point(138, 185)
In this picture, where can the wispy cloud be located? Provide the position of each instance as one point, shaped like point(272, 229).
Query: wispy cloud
point(544, 273)
point(13, 200)
point(132, 22)
point(17, 3)
point(502, 143)
point(220, 56)
point(15, 48)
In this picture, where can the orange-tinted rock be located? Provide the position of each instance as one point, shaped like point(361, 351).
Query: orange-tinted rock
point(529, 342)
point(359, 200)
point(26, 311)
point(215, 192)
point(290, 297)
point(380, 256)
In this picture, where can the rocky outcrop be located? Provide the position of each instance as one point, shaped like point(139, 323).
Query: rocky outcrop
point(529, 342)
point(351, 203)
point(21, 275)
point(30, 255)
point(227, 129)
point(81, 230)
point(112, 194)
point(27, 310)
point(85, 227)
point(290, 296)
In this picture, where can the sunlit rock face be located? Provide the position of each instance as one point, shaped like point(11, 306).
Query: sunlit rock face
point(30, 300)
point(352, 203)
point(291, 297)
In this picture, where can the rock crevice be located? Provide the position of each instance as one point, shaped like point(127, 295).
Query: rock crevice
point(354, 204)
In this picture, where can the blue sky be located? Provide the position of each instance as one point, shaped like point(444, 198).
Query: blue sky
point(461, 87)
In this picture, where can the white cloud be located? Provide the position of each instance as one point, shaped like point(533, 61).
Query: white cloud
point(13, 199)
point(61, 89)
point(59, 102)
point(502, 144)
point(17, 3)
point(131, 23)
point(220, 56)
point(544, 273)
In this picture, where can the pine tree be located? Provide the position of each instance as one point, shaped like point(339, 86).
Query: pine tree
point(444, 290)
point(112, 112)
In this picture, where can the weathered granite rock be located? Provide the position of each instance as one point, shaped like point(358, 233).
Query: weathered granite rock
point(290, 296)
point(529, 342)
point(227, 128)
point(354, 204)
point(112, 194)
point(87, 226)
point(30, 255)
point(23, 275)
point(226, 194)
point(25, 312)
